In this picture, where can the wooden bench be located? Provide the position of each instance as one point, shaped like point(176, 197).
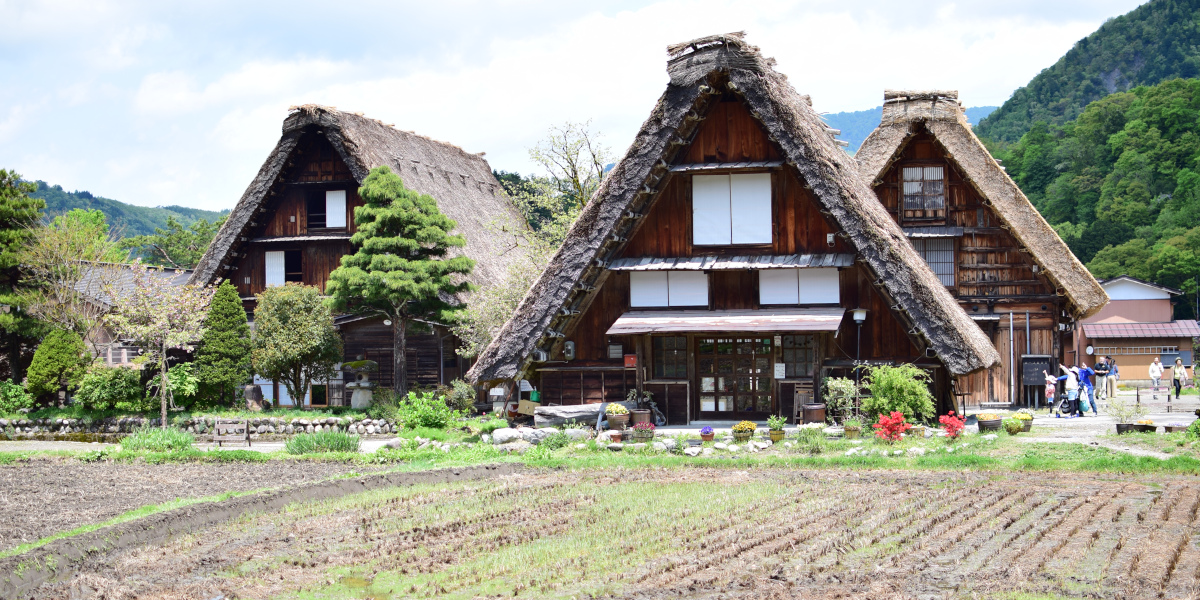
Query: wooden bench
point(231, 430)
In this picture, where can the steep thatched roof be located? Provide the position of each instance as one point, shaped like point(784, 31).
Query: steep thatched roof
point(461, 182)
point(700, 71)
point(906, 113)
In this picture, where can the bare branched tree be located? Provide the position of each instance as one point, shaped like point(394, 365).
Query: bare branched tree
point(574, 159)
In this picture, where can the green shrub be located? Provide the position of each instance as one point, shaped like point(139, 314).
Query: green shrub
point(383, 405)
point(59, 360)
point(1193, 430)
point(491, 425)
point(839, 395)
point(155, 439)
point(183, 381)
point(425, 410)
point(461, 396)
point(904, 388)
point(556, 440)
point(106, 388)
point(13, 397)
point(325, 441)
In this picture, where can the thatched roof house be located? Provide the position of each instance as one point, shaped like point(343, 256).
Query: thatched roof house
point(907, 114)
point(702, 72)
point(461, 182)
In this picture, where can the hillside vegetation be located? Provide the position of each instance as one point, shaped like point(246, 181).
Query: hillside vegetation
point(130, 220)
point(1157, 41)
point(1121, 183)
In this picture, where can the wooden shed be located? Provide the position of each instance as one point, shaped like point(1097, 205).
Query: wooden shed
point(718, 264)
point(986, 242)
point(295, 220)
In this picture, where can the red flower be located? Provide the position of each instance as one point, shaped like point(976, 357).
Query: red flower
point(891, 427)
point(954, 425)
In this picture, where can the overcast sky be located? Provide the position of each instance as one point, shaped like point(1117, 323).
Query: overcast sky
point(157, 103)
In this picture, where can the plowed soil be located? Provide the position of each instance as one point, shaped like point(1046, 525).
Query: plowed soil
point(696, 533)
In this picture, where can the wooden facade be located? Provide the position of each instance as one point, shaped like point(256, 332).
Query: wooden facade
point(994, 277)
point(674, 366)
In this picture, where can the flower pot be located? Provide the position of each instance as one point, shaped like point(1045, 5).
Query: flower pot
point(1125, 428)
point(1026, 425)
point(707, 437)
point(814, 413)
point(991, 425)
point(618, 422)
point(742, 437)
point(642, 436)
point(617, 436)
point(776, 436)
point(852, 433)
point(1174, 428)
point(639, 415)
point(1147, 428)
point(917, 431)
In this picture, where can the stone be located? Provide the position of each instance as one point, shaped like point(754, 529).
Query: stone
point(394, 443)
point(989, 437)
point(720, 445)
point(505, 435)
point(669, 443)
point(897, 452)
point(762, 445)
point(661, 447)
point(518, 446)
point(852, 452)
point(916, 451)
point(604, 436)
point(707, 451)
point(637, 446)
point(261, 429)
point(787, 444)
point(581, 446)
point(578, 434)
point(693, 451)
point(732, 448)
point(485, 438)
point(370, 430)
point(616, 447)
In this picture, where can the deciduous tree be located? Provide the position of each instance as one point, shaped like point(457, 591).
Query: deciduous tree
point(177, 246)
point(295, 342)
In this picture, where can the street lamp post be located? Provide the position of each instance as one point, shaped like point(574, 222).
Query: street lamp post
point(860, 315)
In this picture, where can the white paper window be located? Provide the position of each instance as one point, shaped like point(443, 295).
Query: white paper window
point(668, 288)
point(276, 273)
point(924, 188)
point(778, 286)
point(939, 255)
point(731, 209)
point(820, 286)
point(710, 210)
point(750, 208)
point(799, 286)
point(335, 208)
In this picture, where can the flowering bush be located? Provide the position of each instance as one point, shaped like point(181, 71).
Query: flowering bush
point(988, 417)
point(643, 426)
point(706, 431)
point(745, 427)
point(1023, 416)
point(952, 424)
point(1013, 426)
point(891, 427)
point(616, 409)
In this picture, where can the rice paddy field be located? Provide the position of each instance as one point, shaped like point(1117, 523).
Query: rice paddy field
point(692, 532)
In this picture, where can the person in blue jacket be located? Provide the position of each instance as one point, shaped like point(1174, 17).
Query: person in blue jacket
point(1088, 394)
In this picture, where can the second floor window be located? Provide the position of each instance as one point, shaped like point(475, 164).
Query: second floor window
point(327, 209)
point(668, 288)
point(939, 254)
point(284, 266)
point(924, 191)
point(799, 286)
point(731, 209)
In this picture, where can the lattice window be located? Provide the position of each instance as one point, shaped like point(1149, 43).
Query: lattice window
point(1134, 350)
point(924, 192)
point(939, 254)
point(799, 355)
point(670, 357)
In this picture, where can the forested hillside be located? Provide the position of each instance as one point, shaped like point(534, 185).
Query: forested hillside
point(857, 125)
point(1157, 41)
point(1121, 183)
point(129, 219)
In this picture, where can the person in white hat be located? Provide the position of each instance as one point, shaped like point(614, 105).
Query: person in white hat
point(1156, 371)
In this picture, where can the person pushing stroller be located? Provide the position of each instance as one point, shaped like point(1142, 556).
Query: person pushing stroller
point(1070, 381)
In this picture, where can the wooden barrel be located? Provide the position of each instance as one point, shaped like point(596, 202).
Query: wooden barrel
point(814, 413)
point(640, 415)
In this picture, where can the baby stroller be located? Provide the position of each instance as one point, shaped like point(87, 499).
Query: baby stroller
point(1066, 405)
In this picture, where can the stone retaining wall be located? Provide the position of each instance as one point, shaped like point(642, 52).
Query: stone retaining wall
point(198, 425)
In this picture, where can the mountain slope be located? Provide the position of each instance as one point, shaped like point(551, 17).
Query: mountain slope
point(857, 125)
point(1156, 41)
point(130, 220)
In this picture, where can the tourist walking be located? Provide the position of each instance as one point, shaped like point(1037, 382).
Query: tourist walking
point(1114, 376)
point(1156, 371)
point(1087, 395)
point(1101, 369)
point(1178, 377)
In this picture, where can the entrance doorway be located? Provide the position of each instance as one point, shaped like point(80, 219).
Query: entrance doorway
point(735, 377)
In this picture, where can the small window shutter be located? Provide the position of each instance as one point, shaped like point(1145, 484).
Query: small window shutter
point(820, 286)
point(648, 288)
point(687, 288)
point(335, 208)
point(778, 286)
point(710, 210)
point(751, 194)
point(275, 269)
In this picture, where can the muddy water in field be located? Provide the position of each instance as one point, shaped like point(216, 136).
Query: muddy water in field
point(696, 533)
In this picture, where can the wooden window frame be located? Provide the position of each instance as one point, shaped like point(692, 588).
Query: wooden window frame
point(900, 202)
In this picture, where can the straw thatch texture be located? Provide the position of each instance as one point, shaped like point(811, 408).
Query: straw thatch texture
point(699, 70)
point(940, 114)
point(461, 182)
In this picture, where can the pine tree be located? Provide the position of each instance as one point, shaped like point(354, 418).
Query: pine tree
point(223, 356)
point(61, 359)
point(18, 214)
point(400, 268)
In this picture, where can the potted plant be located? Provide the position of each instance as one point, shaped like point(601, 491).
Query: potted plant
point(1146, 426)
point(1025, 416)
point(641, 414)
point(743, 431)
point(618, 416)
point(616, 436)
point(775, 425)
point(1013, 426)
point(852, 428)
point(916, 431)
point(643, 432)
point(707, 434)
point(989, 422)
point(1125, 414)
point(1175, 427)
